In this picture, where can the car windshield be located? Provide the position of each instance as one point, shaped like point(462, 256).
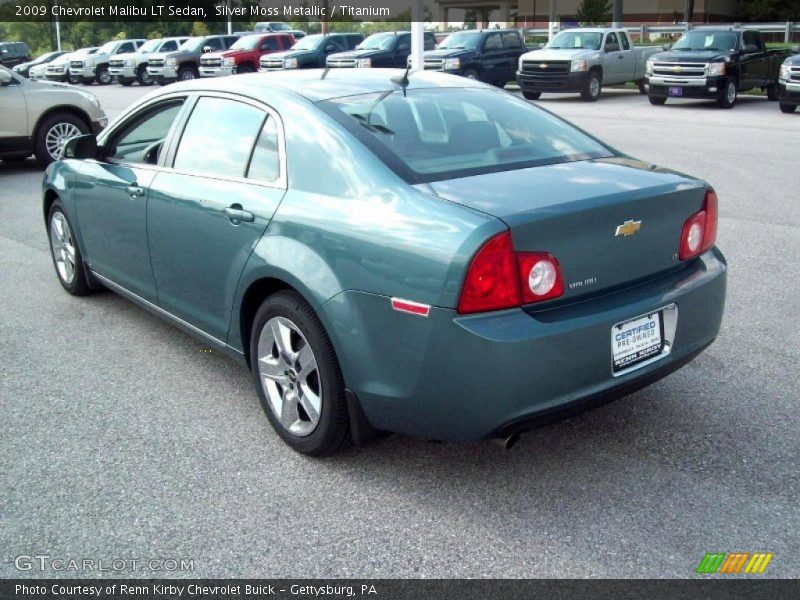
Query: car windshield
point(108, 47)
point(309, 43)
point(586, 40)
point(468, 40)
point(248, 42)
point(699, 41)
point(434, 134)
point(150, 46)
point(65, 57)
point(193, 44)
point(377, 41)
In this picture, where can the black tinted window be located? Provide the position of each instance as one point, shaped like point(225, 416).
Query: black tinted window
point(141, 140)
point(612, 40)
point(126, 47)
point(219, 137)
point(493, 42)
point(265, 164)
point(430, 41)
point(626, 43)
point(511, 40)
point(169, 46)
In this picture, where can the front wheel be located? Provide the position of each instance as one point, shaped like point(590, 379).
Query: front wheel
point(187, 74)
point(143, 77)
point(66, 255)
point(657, 100)
point(772, 92)
point(53, 133)
point(297, 376)
point(594, 86)
point(102, 76)
point(532, 95)
point(788, 108)
point(470, 74)
point(728, 95)
point(642, 87)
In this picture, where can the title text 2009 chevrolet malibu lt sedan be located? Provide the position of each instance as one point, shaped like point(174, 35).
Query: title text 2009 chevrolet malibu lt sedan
point(433, 257)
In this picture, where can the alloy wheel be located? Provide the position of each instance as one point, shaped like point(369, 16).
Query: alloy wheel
point(63, 247)
point(289, 376)
point(57, 136)
point(594, 87)
point(731, 92)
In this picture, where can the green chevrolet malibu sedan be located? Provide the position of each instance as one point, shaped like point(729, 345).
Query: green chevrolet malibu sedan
point(424, 255)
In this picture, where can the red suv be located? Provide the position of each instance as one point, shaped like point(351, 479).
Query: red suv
point(244, 55)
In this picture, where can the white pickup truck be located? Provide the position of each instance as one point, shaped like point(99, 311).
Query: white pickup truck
point(583, 60)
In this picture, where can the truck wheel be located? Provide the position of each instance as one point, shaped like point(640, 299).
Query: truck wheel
point(245, 68)
point(593, 88)
point(143, 77)
point(788, 108)
point(657, 100)
point(53, 132)
point(470, 74)
point(187, 74)
point(532, 95)
point(124, 81)
point(71, 78)
point(103, 77)
point(727, 96)
point(772, 92)
point(642, 87)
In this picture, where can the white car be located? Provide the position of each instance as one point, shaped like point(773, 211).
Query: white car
point(95, 67)
point(132, 66)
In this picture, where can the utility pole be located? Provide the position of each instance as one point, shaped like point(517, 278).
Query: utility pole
point(58, 31)
point(417, 35)
point(617, 13)
point(688, 12)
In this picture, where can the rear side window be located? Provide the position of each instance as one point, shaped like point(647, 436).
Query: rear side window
point(219, 138)
point(626, 43)
point(230, 41)
point(265, 163)
point(169, 46)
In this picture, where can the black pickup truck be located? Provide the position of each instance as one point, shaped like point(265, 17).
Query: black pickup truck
point(311, 51)
point(490, 55)
point(714, 63)
point(385, 50)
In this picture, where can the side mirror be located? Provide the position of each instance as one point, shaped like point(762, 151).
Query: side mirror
point(666, 47)
point(403, 48)
point(5, 78)
point(612, 47)
point(796, 49)
point(81, 147)
point(207, 48)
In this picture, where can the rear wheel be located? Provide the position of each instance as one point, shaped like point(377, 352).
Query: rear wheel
point(470, 74)
point(532, 95)
point(66, 255)
point(728, 94)
point(53, 133)
point(143, 77)
point(594, 86)
point(788, 108)
point(657, 100)
point(297, 376)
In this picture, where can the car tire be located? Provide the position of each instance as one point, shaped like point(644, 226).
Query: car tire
point(727, 97)
point(143, 77)
point(471, 74)
point(241, 70)
point(657, 100)
point(187, 74)
point(788, 108)
point(124, 81)
point(594, 86)
point(287, 338)
point(71, 79)
point(531, 95)
point(772, 92)
point(64, 251)
point(103, 77)
point(642, 87)
point(53, 132)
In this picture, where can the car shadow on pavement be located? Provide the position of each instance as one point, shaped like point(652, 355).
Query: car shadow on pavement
point(20, 167)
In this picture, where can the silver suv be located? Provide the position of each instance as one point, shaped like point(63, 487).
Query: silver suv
point(39, 118)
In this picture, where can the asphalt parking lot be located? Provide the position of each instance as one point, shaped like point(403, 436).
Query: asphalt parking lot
point(121, 437)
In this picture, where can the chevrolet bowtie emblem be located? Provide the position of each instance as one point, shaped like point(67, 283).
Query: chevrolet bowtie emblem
point(676, 69)
point(543, 66)
point(628, 228)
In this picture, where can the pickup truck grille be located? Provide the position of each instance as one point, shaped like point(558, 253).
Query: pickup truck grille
point(342, 63)
point(156, 62)
point(433, 64)
point(76, 64)
point(546, 69)
point(272, 64)
point(794, 74)
point(116, 63)
point(55, 69)
point(680, 70)
point(211, 62)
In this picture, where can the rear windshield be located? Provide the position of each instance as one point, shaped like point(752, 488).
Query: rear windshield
point(435, 134)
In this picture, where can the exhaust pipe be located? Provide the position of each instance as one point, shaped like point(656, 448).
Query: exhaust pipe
point(507, 442)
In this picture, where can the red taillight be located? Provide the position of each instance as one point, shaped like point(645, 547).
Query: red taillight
point(498, 279)
point(491, 282)
point(539, 276)
point(700, 230)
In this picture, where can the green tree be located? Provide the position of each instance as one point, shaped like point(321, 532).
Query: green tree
point(593, 12)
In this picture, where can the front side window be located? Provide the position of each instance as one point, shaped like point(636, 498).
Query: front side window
point(435, 134)
point(169, 46)
point(219, 138)
point(493, 42)
point(141, 141)
point(612, 42)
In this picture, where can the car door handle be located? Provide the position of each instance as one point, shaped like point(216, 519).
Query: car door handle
point(236, 214)
point(134, 191)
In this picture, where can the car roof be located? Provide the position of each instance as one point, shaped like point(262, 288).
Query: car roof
point(310, 84)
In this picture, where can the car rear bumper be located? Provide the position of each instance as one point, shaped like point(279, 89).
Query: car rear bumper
point(567, 83)
point(464, 378)
point(789, 93)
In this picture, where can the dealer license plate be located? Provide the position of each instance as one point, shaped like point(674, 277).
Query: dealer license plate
point(636, 341)
point(676, 91)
